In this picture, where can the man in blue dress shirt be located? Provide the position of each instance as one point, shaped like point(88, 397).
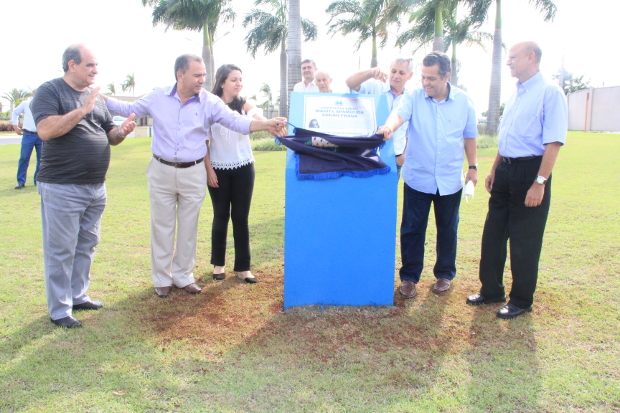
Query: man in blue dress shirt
point(442, 125)
point(182, 117)
point(30, 141)
point(531, 133)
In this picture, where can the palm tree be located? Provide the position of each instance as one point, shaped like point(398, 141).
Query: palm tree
point(270, 31)
point(15, 96)
point(457, 32)
point(294, 45)
point(129, 83)
point(197, 15)
point(482, 8)
point(111, 88)
point(369, 18)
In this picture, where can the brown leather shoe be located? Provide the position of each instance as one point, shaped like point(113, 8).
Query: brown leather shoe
point(162, 292)
point(407, 289)
point(192, 288)
point(441, 286)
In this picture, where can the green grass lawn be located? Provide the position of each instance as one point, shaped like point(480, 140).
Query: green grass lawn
point(233, 349)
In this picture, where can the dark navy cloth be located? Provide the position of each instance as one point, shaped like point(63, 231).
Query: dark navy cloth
point(354, 156)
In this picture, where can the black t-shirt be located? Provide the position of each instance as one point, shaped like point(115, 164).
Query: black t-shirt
point(82, 155)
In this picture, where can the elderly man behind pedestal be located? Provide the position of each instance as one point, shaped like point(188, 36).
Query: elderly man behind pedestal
point(182, 117)
point(77, 131)
point(442, 123)
point(393, 85)
point(531, 133)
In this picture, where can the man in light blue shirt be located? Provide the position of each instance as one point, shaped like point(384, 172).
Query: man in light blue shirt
point(182, 117)
point(393, 85)
point(531, 133)
point(30, 140)
point(442, 125)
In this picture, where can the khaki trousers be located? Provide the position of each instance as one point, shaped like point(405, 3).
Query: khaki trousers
point(176, 195)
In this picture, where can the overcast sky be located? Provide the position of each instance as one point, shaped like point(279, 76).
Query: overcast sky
point(124, 40)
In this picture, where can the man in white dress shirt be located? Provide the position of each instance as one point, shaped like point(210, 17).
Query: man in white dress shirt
point(30, 141)
point(308, 69)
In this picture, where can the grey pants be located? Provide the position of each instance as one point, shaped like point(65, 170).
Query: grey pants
point(71, 219)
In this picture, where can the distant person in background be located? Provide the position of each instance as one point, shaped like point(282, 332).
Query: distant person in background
point(531, 133)
point(308, 68)
point(393, 85)
point(323, 81)
point(77, 128)
point(30, 140)
point(230, 176)
point(182, 117)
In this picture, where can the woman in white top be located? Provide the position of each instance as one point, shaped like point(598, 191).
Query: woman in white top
point(230, 176)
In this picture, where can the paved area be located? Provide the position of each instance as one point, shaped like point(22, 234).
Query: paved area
point(8, 139)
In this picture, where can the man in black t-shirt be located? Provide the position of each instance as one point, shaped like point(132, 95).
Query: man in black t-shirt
point(77, 130)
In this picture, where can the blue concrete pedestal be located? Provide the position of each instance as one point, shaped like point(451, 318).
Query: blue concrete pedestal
point(340, 235)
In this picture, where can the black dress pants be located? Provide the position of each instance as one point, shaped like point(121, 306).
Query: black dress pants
point(509, 218)
point(232, 200)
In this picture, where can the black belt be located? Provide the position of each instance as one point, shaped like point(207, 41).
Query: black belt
point(178, 164)
point(505, 159)
point(26, 130)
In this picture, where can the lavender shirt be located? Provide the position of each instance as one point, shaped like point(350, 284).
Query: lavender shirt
point(181, 129)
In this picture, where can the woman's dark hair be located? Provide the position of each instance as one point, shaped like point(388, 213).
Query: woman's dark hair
point(220, 78)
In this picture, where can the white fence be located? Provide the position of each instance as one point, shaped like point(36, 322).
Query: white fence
point(594, 109)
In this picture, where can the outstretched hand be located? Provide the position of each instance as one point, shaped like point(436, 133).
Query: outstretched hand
point(277, 126)
point(386, 131)
point(128, 126)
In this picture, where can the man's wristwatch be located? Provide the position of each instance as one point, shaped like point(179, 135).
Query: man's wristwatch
point(473, 167)
point(540, 180)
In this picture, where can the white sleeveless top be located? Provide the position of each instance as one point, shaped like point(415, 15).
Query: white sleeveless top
point(230, 149)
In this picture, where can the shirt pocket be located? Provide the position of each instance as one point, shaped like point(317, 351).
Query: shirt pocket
point(528, 126)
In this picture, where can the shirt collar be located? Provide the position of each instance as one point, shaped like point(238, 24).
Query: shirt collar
point(173, 90)
point(450, 94)
point(531, 82)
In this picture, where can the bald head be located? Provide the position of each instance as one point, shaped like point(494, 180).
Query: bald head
point(524, 60)
point(323, 80)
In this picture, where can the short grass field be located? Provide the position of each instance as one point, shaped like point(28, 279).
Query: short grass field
point(233, 349)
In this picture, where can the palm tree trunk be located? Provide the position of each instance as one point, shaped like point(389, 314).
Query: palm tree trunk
point(374, 62)
point(454, 77)
point(207, 56)
point(438, 42)
point(283, 86)
point(294, 44)
point(496, 74)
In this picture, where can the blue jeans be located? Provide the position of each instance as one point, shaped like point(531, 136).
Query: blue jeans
point(71, 220)
point(416, 208)
point(29, 141)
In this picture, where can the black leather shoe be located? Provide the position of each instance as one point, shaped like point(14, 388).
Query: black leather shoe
point(510, 311)
point(478, 299)
point(67, 322)
point(88, 305)
point(20, 186)
point(219, 277)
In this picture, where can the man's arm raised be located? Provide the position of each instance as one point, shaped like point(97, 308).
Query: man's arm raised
point(58, 125)
point(355, 81)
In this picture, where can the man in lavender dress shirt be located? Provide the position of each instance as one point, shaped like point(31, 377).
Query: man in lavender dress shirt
point(182, 116)
point(531, 133)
